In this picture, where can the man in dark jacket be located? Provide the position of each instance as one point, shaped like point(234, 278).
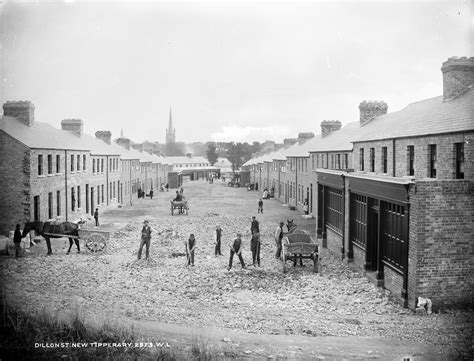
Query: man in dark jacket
point(254, 227)
point(17, 241)
point(236, 248)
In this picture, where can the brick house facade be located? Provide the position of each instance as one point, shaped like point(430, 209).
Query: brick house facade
point(393, 192)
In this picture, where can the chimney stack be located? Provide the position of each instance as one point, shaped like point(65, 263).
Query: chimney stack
point(458, 75)
point(303, 137)
point(104, 135)
point(73, 125)
point(371, 109)
point(24, 111)
point(123, 142)
point(329, 126)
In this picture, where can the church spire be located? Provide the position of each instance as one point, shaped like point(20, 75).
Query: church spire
point(170, 123)
point(170, 132)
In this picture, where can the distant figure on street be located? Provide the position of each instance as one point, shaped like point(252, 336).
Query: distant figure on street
point(217, 250)
point(236, 248)
point(190, 246)
point(139, 193)
point(260, 206)
point(17, 241)
point(305, 207)
point(254, 226)
point(96, 217)
point(278, 239)
point(167, 186)
point(178, 197)
point(151, 193)
point(145, 239)
point(255, 248)
point(256, 186)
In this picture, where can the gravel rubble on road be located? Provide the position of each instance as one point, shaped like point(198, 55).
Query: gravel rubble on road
point(334, 302)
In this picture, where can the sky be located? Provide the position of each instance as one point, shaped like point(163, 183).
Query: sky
point(230, 71)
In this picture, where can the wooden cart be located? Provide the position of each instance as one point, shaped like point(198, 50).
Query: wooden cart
point(181, 206)
point(95, 239)
point(296, 244)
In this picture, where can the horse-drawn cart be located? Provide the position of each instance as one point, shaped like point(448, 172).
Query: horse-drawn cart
point(181, 206)
point(95, 239)
point(299, 245)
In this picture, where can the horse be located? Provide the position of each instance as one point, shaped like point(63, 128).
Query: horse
point(50, 230)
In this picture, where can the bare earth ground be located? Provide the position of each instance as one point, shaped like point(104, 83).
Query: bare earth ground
point(254, 313)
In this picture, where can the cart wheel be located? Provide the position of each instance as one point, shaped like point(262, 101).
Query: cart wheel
point(95, 242)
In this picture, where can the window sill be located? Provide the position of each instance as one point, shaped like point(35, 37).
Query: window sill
point(41, 176)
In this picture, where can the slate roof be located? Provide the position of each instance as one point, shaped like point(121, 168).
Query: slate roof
point(41, 135)
point(186, 160)
point(96, 146)
point(339, 140)
point(431, 116)
point(303, 149)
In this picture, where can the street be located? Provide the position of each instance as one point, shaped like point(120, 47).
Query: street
point(256, 312)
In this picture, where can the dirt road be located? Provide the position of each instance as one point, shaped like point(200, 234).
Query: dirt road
point(255, 312)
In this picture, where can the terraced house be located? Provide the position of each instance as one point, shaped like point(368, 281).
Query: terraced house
point(48, 172)
point(392, 192)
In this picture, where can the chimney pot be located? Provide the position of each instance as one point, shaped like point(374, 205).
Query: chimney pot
point(24, 111)
point(371, 109)
point(73, 125)
point(124, 142)
point(104, 135)
point(458, 76)
point(329, 126)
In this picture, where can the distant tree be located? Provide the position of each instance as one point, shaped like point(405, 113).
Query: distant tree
point(235, 155)
point(174, 149)
point(211, 154)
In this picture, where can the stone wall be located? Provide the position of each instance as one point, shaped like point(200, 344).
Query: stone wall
point(334, 242)
point(393, 281)
point(359, 258)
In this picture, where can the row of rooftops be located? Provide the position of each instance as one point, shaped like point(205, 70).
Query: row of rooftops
point(37, 135)
point(453, 112)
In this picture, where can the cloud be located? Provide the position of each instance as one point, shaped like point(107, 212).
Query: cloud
point(250, 133)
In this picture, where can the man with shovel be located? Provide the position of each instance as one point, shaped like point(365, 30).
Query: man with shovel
point(236, 248)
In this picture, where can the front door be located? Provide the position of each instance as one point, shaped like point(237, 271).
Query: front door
point(372, 260)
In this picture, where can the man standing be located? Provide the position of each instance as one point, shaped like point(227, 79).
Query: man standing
point(190, 246)
point(255, 248)
point(278, 239)
point(254, 227)
point(96, 217)
point(151, 193)
point(236, 248)
point(17, 241)
point(260, 206)
point(145, 240)
point(217, 250)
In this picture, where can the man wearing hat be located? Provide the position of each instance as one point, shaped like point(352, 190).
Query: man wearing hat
point(278, 238)
point(146, 238)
